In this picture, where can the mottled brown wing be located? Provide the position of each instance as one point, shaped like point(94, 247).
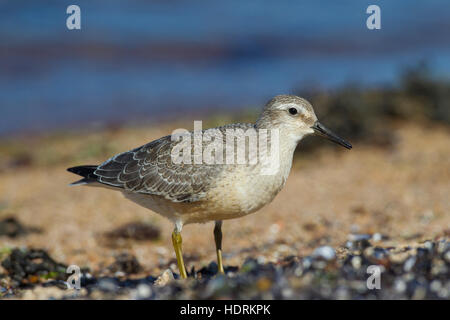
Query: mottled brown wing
point(149, 169)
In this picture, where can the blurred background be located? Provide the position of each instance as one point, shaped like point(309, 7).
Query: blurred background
point(143, 61)
point(138, 70)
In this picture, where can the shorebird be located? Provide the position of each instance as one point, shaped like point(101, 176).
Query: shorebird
point(199, 192)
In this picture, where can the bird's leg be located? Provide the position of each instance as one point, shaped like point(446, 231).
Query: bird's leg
point(177, 241)
point(218, 239)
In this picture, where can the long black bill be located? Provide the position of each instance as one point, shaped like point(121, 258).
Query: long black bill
point(321, 130)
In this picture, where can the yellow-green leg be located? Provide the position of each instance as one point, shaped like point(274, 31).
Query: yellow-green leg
point(177, 241)
point(218, 239)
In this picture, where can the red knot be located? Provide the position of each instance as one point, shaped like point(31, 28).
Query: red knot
point(208, 182)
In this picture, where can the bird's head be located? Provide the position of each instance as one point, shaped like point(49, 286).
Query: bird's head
point(295, 116)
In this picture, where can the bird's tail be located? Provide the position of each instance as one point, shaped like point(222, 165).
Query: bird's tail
point(87, 172)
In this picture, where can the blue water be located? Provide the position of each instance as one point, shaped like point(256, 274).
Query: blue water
point(146, 60)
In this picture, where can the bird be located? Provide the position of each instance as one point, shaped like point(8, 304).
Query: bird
point(200, 190)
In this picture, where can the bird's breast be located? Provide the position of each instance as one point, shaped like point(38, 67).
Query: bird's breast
point(246, 189)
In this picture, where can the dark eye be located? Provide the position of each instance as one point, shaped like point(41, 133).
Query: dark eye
point(293, 111)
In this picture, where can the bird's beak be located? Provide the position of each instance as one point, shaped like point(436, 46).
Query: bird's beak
point(322, 131)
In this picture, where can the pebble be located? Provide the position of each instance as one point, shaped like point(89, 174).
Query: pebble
point(307, 262)
point(298, 271)
point(443, 246)
point(165, 278)
point(447, 256)
point(261, 259)
point(287, 293)
point(325, 252)
point(342, 294)
point(356, 262)
point(107, 285)
point(377, 237)
point(359, 237)
point(400, 285)
point(418, 271)
point(119, 274)
point(428, 245)
point(143, 291)
point(409, 264)
point(435, 285)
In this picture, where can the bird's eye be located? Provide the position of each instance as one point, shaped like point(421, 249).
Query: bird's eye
point(293, 111)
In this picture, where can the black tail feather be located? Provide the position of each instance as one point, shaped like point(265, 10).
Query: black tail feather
point(87, 172)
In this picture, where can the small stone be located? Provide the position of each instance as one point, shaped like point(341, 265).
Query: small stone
point(325, 252)
point(287, 293)
point(442, 246)
point(165, 278)
point(400, 285)
point(143, 291)
point(377, 237)
point(107, 285)
point(428, 245)
point(435, 285)
point(358, 237)
point(409, 264)
point(443, 293)
point(447, 256)
point(119, 274)
point(261, 260)
point(342, 294)
point(307, 262)
point(356, 262)
point(298, 271)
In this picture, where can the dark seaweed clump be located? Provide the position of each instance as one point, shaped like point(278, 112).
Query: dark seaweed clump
point(135, 231)
point(13, 228)
point(26, 267)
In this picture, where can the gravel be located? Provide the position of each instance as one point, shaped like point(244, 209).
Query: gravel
point(421, 271)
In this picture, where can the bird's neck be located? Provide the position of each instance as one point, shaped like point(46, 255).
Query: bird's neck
point(280, 151)
point(288, 143)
